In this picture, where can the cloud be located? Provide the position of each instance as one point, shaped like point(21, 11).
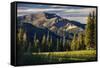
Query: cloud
point(57, 6)
point(69, 12)
point(24, 9)
point(78, 12)
point(84, 10)
point(36, 10)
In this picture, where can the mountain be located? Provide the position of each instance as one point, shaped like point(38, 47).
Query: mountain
point(62, 22)
point(53, 23)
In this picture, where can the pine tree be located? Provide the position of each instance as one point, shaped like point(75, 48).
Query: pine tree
point(81, 43)
point(64, 40)
point(61, 44)
point(25, 42)
point(57, 48)
point(88, 33)
point(44, 43)
point(35, 46)
point(67, 45)
point(50, 44)
point(20, 35)
point(47, 42)
point(74, 43)
point(90, 36)
point(21, 40)
point(24, 39)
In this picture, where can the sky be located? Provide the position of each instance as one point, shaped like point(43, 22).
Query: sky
point(70, 12)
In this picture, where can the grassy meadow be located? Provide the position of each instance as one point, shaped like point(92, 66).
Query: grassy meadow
point(58, 57)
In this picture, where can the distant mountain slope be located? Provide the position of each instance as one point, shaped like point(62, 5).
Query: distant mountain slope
point(44, 18)
point(60, 22)
point(44, 22)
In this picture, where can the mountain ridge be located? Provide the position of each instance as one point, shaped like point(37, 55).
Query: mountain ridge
point(52, 22)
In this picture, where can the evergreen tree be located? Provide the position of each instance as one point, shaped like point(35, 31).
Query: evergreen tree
point(64, 40)
point(47, 42)
point(57, 45)
point(74, 43)
point(35, 46)
point(50, 44)
point(90, 36)
point(81, 43)
point(21, 40)
point(61, 44)
point(20, 35)
point(88, 33)
point(47, 39)
point(67, 45)
point(25, 41)
point(44, 43)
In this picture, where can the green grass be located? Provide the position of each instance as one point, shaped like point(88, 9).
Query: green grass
point(55, 57)
point(83, 55)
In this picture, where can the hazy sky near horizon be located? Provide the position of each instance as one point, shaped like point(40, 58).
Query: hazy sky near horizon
point(70, 12)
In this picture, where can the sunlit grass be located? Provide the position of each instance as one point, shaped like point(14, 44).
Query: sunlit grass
point(83, 55)
point(70, 53)
point(55, 57)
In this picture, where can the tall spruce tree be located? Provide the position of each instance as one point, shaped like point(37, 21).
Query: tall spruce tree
point(81, 42)
point(61, 44)
point(50, 44)
point(47, 42)
point(67, 45)
point(88, 33)
point(90, 36)
point(57, 48)
point(43, 43)
point(74, 43)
